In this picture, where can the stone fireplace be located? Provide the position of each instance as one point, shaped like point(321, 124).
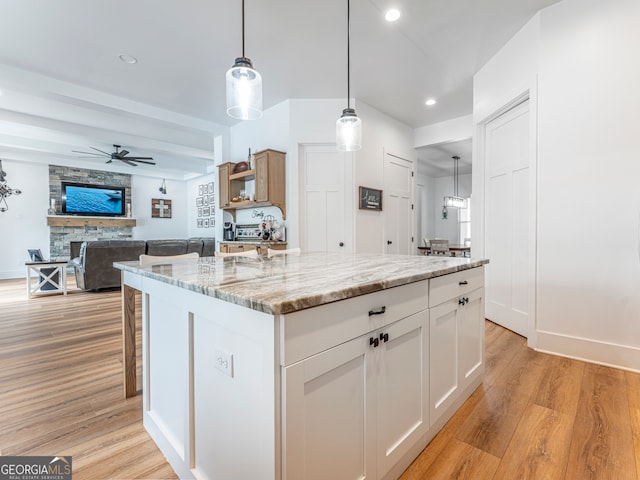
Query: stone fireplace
point(65, 229)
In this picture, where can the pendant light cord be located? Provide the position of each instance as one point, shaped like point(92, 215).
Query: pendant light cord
point(243, 28)
point(348, 54)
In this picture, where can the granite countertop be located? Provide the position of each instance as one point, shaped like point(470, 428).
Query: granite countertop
point(288, 283)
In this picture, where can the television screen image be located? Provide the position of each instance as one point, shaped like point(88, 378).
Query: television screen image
point(84, 199)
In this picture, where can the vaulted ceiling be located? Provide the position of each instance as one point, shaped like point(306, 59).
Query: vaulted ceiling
point(63, 86)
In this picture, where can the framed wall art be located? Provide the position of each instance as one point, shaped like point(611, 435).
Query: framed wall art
point(370, 199)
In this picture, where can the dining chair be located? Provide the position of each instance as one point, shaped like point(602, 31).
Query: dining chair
point(149, 259)
point(439, 247)
point(250, 253)
point(467, 243)
point(288, 251)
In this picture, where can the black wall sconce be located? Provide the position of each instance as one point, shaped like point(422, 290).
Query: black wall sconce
point(163, 187)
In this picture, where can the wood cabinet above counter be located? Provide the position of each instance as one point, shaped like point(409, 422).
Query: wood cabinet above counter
point(268, 173)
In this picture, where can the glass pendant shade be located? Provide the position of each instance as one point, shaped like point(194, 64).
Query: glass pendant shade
point(244, 91)
point(349, 131)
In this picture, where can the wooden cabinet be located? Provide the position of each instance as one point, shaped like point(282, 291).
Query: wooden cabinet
point(268, 176)
point(247, 247)
point(223, 184)
point(456, 340)
point(368, 395)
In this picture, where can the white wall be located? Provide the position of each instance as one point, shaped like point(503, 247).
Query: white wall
point(584, 53)
point(143, 189)
point(24, 224)
point(380, 134)
point(448, 131)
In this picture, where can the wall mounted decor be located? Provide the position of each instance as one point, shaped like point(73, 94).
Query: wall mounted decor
point(370, 199)
point(160, 208)
point(5, 190)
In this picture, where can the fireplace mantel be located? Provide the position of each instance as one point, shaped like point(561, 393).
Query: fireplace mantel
point(82, 221)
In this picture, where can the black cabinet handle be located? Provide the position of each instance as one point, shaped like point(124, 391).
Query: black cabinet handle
point(389, 242)
point(461, 301)
point(384, 337)
point(464, 282)
point(341, 244)
point(380, 311)
point(374, 341)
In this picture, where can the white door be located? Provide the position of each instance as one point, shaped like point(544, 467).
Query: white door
point(398, 204)
point(508, 232)
point(326, 199)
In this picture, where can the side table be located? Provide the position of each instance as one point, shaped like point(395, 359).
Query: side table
point(51, 278)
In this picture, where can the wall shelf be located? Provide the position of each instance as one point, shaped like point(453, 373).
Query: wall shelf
point(81, 221)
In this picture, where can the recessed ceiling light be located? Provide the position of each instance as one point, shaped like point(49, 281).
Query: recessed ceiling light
point(392, 15)
point(126, 58)
point(430, 102)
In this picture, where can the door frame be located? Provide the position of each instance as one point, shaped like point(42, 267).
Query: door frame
point(478, 185)
point(349, 195)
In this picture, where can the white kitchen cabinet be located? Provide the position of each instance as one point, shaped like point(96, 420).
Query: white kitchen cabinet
point(456, 341)
point(353, 411)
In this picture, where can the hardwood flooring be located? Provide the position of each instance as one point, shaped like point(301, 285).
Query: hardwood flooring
point(536, 416)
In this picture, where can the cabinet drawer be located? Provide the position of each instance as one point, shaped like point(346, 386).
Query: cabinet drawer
point(450, 286)
point(314, 330)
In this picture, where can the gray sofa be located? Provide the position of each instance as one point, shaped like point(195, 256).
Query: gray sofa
point(93, 260)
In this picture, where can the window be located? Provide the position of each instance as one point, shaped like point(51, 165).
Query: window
point(464, 223)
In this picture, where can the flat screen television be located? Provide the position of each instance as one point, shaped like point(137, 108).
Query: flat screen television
point(95, 200)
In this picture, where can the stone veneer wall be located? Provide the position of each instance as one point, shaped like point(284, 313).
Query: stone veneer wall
point(59, 237)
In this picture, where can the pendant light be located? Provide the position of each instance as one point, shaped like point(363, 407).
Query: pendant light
point(454, 200)
point(348, 126)
point(244, 87)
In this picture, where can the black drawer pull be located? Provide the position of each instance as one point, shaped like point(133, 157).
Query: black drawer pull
point(464, 282)
point(374, 341)
point(380, 311)
point(384, 337)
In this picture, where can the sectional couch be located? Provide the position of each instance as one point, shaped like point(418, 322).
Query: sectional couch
point(93, 260)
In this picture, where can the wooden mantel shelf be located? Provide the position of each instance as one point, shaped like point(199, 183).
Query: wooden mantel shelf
point(79, 221)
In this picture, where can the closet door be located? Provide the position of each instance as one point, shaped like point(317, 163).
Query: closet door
point(508, 224)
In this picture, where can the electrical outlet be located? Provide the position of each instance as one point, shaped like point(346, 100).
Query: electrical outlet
point(223, 361)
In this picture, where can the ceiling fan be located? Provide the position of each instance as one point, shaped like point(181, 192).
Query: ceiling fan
point(118, 155)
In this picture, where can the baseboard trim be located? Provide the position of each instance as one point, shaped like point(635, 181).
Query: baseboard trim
point(608, 354)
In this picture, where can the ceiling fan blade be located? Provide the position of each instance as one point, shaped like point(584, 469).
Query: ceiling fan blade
point(93, 157)
point(142, 161)
point(101, 151)
point(88, 153)
point(140, 158)
point(128, 162)
point(122, 153)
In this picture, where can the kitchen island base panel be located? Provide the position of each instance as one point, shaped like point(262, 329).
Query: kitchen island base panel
point(205, 422)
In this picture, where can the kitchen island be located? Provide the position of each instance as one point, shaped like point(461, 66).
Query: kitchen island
point(314, 366)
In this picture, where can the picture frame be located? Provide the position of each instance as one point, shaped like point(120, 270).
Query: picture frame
point(206, 223)
point(212, 200)
point(160, 208)
point(205, 189)
point(211, 187)
point(199, 224)
point(369, 199)
point(35, 254)
point(200, 190)
point(199, 201)
point(206, 211)
point(212, 222)
point(205, 200)
point(199, 211)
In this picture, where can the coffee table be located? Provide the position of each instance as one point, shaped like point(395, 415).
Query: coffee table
point(51, 278)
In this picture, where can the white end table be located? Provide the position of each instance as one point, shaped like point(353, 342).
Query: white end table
point(51, 278)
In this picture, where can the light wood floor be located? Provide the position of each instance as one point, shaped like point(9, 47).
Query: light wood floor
point(535, 416)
